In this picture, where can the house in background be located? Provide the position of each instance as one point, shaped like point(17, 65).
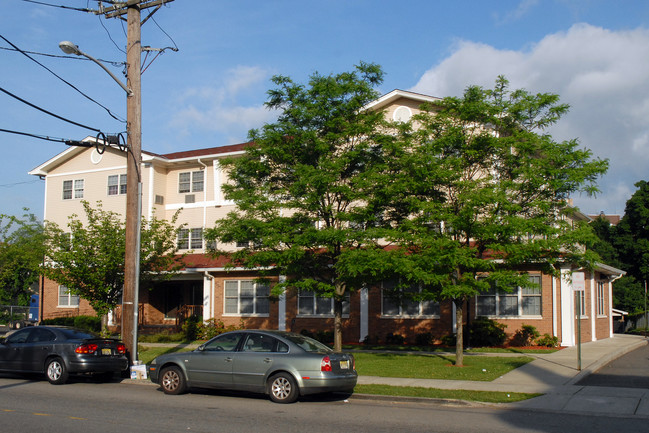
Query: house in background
point(192, 181)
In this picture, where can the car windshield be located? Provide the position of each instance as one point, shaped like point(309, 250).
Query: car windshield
point(307, 344)
point(77, 334)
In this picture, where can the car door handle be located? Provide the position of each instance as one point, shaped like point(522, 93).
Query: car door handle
point(268, 360)
point(228, 359)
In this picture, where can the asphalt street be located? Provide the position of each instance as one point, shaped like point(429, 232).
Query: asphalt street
point(628, 371)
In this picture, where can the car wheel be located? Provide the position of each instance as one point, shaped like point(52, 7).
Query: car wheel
point(282, 388)
point(56, 371)
point(172, 381)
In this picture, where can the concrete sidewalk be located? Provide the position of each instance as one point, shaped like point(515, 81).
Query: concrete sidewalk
point(555, 376)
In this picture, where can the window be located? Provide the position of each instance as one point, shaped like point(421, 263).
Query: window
point(223, 343)
point(117, 184)
point(66, 299)
point(263, 343)
point(309, 304)
point(581, 298)
point(72, 188)
point(600, 299)
point(521, 301)
point(245, 297)
point(196, 239)
point(190, 238)
point(402, 302)
point(191, 181)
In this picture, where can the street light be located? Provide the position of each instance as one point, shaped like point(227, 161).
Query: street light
point(69, 48)
point(130, 294)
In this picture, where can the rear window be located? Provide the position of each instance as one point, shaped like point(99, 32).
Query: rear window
point(308, 344)
point(77, 334)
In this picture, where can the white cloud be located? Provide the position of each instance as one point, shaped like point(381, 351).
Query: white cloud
point(216, 110)
point(602, 74)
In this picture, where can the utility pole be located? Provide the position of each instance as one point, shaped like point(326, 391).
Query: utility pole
point(130, 294)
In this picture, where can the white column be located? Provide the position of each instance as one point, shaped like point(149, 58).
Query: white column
point(593, 311)
point(281, 313)
point(208, 296)
point(567, 296)
point(364, 295)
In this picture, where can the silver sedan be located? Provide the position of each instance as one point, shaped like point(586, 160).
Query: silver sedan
point(283, 365)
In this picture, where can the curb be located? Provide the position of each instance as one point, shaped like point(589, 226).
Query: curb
point(605, 360)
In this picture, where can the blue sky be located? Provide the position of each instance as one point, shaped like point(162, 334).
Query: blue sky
point(594, 53)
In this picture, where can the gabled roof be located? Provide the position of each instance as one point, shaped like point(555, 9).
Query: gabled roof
point(389, 98)
point(188, 155)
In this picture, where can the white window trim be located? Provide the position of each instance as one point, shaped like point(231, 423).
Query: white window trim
point(118, 185)
point(315, 300)
point(74, 189)
point(401, 314)
point(191, 238)
point(519, 294)
point(69, 298)
point(239, 314)
point(192, 181)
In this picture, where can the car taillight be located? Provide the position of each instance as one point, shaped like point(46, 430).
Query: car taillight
point(325, 364)
point(86, 348)
point(121, 349)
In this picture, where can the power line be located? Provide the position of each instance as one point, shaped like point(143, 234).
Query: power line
point(48, 112)
point(60, 78)
point(58, 6)
point(61, 56)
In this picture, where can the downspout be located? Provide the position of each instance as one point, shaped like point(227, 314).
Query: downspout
point(204, 192)
point(210, 296)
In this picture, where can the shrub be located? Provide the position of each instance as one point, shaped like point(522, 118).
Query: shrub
point(424, 339)
point(395, 339)
point(190, 328)
point(449, 340)
point(89, 323)
point(486, 332)
point(212, 327)
point(525, 336)
point(547, 340)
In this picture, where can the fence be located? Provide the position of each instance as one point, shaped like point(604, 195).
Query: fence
point(14, 316)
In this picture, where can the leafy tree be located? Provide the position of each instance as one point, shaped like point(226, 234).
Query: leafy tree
point(21, 255)
point(479, 190)
point(627, 244)
point(88, 257)
point(302, 189)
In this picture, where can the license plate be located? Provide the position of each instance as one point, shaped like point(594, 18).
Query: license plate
point(106, 352)
point(344, 365)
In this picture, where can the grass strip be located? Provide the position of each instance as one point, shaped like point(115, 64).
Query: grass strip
point(454, 394)
point(436, 366)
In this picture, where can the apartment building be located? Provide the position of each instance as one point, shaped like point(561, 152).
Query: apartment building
point(192, 181)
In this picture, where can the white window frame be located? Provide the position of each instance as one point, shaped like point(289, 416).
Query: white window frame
point(190, 239)
point(241, 294)
point(117, 184)
point(319, 306)
point(500, 296)
point(69, 300)
point(194, 181)
point(73, 189)
point(403, 312)
point(601, 298)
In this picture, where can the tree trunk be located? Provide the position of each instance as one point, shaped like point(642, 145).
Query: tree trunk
point(459, 341)
point(338, 325)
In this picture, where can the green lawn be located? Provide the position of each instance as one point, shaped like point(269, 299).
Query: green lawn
point(432, 366)
point(424, 366)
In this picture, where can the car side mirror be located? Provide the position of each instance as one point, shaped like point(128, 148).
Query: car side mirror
point(201, 348)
